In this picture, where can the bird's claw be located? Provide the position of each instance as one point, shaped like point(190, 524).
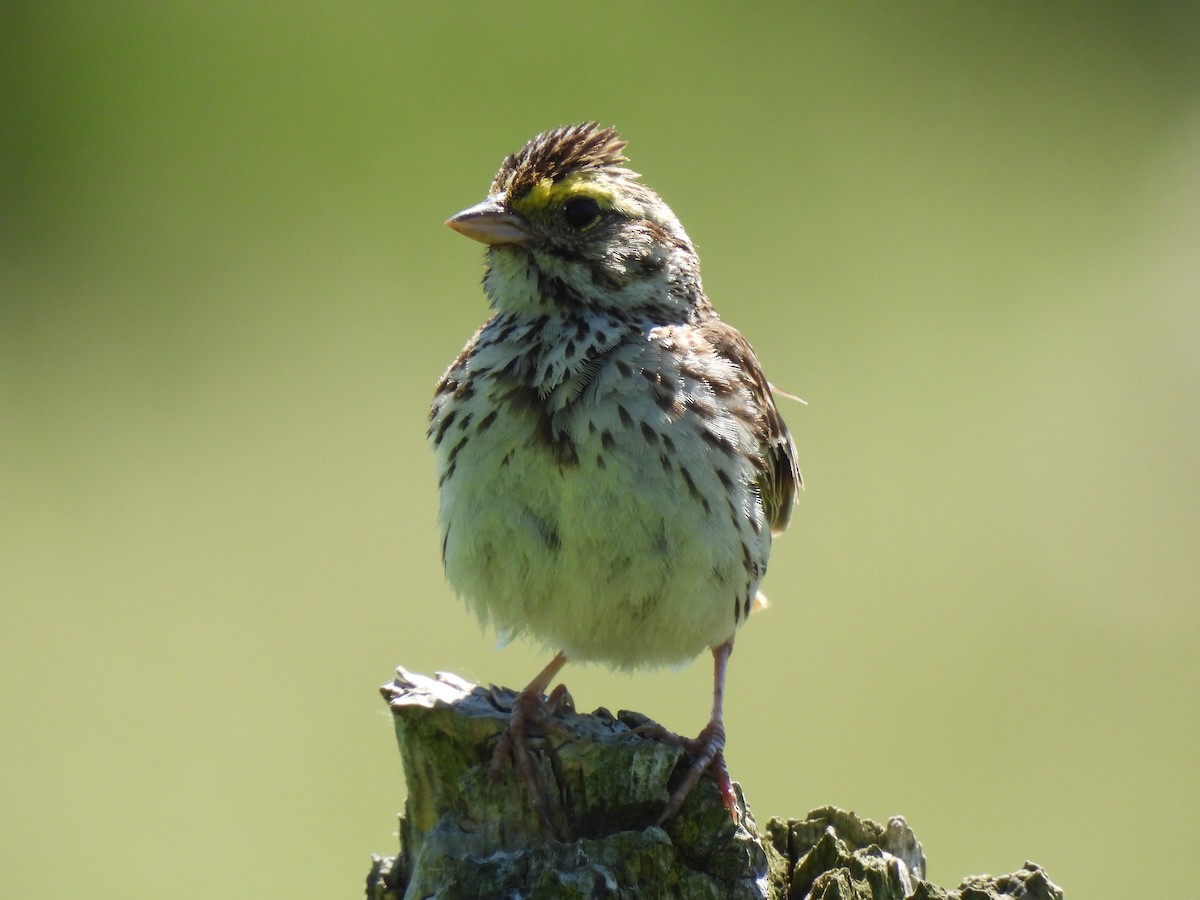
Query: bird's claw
point(530, 709)
point(707, 748)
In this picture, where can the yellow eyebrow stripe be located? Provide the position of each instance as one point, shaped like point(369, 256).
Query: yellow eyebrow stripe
point(548, 193)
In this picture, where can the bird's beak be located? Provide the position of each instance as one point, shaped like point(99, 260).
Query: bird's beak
point(490, 223)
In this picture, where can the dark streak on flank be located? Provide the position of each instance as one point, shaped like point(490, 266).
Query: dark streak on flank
point(719, 441)
point(693, 490)
point(446, 422)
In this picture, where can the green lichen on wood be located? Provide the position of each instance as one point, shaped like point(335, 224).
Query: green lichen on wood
point(466, 835)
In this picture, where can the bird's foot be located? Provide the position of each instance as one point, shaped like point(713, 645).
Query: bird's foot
point(707, 750)
point(530, 709)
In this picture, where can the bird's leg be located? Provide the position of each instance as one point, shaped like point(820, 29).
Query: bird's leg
point(529, 708)
point(707, 747)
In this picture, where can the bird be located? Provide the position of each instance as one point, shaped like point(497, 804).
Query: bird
point(610, 459)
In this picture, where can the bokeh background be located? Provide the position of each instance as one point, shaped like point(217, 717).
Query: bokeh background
point(966, 234)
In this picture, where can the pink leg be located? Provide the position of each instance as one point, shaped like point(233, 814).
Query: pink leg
point(708, 746)
point(529, 708)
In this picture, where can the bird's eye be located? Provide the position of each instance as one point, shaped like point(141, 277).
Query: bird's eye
point(580, 212)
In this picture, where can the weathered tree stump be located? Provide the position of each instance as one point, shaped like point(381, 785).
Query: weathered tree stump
point(466, 835)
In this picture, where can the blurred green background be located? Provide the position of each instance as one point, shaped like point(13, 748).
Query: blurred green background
point(967, 234)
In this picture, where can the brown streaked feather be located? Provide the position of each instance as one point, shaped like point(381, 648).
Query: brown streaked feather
point(553, 154)
point(780, 478)
point(451, 379)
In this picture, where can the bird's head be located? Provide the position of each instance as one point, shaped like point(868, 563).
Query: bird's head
point(568, 226)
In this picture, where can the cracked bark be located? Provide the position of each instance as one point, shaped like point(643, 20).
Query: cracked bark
point(463, 835)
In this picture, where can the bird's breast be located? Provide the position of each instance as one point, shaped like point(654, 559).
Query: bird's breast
point(604, 503)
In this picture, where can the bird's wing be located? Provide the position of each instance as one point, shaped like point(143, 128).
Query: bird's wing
point(779, 476)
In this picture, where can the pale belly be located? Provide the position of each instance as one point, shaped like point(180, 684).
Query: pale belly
point(613, 555)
